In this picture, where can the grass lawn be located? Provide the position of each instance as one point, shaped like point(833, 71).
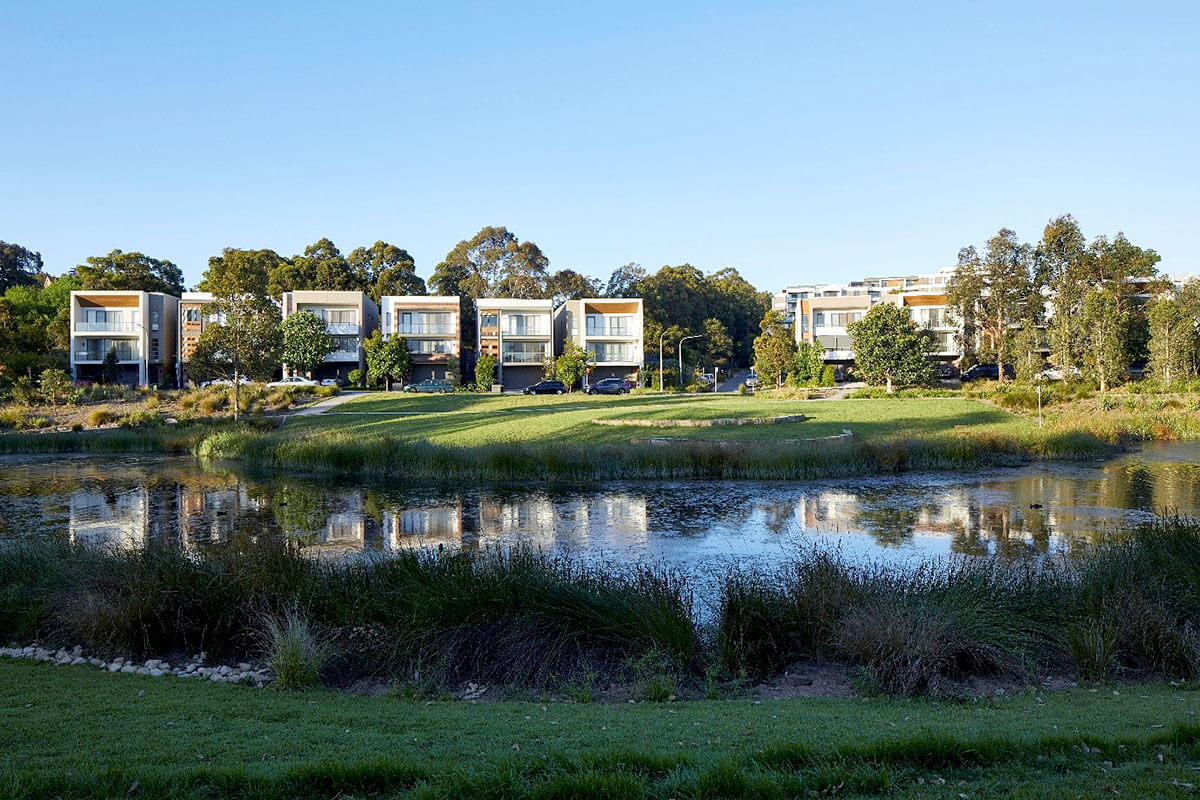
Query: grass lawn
point(73, 731)
point(468, 420)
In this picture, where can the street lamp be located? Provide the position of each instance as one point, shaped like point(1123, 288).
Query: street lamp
point(681, 341)
point(660, 360)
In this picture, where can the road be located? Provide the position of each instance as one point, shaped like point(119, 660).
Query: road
point(730, 383)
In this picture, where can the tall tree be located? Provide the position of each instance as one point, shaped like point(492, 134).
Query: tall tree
point(624, 281)
point(567, 284)
point(1107, 353)
point(246, 339)
point(774, 348)
point(306, 341)
point(35, 325)
point(1061, 259)
point(1174, 338)
point(890, 349)
point(717, 343)
point(994, 291)
point(130, 272)
point(386, 269)
point(330, 270)
point(449, 279)
point(494, 263)
point(18, 266)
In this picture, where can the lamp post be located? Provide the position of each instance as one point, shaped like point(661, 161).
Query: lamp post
point(681, 341)
point(660, 360)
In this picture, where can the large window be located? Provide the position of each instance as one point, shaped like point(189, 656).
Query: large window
point(524, 352)
point(601, 325)
point(345, 344)
point(836, 319)
point(103, 319)
point(434, 323)
point(429, 346)
point(523, 324)
point(609, 352)
point(336, 316)
point(97, 349)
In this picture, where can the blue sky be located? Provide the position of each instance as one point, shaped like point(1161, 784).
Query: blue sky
point(794, 141)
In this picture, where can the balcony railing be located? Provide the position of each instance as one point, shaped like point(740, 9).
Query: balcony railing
point(96, 355)
point(343, 328)
point(524, 358)
point(428, 330)
point(109, 326)
point(524, 330)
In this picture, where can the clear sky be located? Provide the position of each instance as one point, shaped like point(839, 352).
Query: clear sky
point(794, 141)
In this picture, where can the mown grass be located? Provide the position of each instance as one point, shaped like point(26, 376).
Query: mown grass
point(1129, 609)
point(144, 737)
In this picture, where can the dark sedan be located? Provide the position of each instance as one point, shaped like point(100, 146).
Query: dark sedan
point(609, 386)
point(546, 387)
point(986, 372)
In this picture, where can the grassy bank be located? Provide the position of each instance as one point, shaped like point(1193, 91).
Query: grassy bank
point(525, 622)
point(145, 737)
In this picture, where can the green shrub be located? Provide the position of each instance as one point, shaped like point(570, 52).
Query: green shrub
point(325, 391)
point(101, 416)
point(742, 390)
point(13, 418)
point(827, 376)
point(296, 653)
point(76, 427)
point(356, 377)
point(140, 418)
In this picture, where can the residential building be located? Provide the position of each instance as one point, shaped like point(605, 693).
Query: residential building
point(350, 317)
point(431, 327)
point(519, 334)
point(140, 327)
point(610, 329)
point(194, 315)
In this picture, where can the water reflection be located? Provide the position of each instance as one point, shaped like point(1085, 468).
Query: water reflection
point(126, 502)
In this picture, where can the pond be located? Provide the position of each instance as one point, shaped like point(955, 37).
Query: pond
point(126, 501)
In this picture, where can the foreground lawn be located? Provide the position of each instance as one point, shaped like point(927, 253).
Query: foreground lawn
point(467, 420)
point(78, 732)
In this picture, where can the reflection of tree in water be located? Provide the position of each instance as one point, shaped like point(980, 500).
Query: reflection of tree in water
point(891, 526)
point(301, 509)
point(779, 516)
point(693, 510)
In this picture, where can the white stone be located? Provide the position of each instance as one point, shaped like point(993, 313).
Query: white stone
point(152, 663)
point(77, 660)
point(143, 671)
point(244, 667)
point(156, 673)
point(225, 669)
point(77, 651)
point(129, 669)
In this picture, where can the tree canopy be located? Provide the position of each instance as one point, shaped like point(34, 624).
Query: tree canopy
point(774, 348)
point(387, 359)
point(130, 272)
point(385, 269)
point(306, 341)
point(889, 348)
point(18, 266)
point(494, 263)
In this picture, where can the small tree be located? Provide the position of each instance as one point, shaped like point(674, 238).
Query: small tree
point(306, 341)
point(1173, 340)
point(55, 385)
point(889, 348)
point(809, 364)
point(387, 359)
point(485, 372)
point(111, 371)
point(453, 370)
point(1105, 353)
point(246, 342)
point(774, 349)
point(572, 364)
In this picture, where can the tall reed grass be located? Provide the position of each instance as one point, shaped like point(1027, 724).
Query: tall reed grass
point(1131, 607)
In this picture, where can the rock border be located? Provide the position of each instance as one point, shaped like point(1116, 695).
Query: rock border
point(244, 673)
point(667, 440)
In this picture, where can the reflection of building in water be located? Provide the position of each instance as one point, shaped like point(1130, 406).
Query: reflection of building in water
point(208, 516)
point(608, 520)
point(528, 521)
point(345, 528)
point(109, 519)
point(425, 527)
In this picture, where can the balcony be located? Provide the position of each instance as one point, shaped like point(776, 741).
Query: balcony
point(342, 355)
point(420, 329)
point(524, 330)
point(124, 355)
point(523, 358)
point(342, 328)
point(108, 326)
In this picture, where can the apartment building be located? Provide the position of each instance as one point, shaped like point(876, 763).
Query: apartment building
point(194, 315)
point(140, 327)
point(608, 328)
point(519, 335)
point(349, 317)
point(431, 327)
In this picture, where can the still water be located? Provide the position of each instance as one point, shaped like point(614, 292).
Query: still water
point(1013, 513)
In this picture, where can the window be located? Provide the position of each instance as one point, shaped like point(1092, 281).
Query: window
point(487, 319)
point(345, 344)
point(336, 316)
point(153, 320)
point(429, 346)
point(523, 324)
point(524, 352)
point(600, 325)
point(387, 322)
point(192, 315)
point(608, 352)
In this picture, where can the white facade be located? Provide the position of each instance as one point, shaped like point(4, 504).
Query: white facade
point(140, 327)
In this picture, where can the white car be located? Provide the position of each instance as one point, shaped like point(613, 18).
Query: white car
point(294, 381)
point(332, 381)
point(707, 378)
point(242, 379)
point(1056, 374)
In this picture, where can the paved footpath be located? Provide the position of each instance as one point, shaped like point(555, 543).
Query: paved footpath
point(325, 405)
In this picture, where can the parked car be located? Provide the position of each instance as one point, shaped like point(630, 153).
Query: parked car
point(333, 382)
point(1056, 374)
point(546, 387)
point(944, 371)
point(752, 381)
point(609, 386)
point(987, 372)
point(706, 378)
point(431, 386)
point(294, 381)
point(242, 379)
